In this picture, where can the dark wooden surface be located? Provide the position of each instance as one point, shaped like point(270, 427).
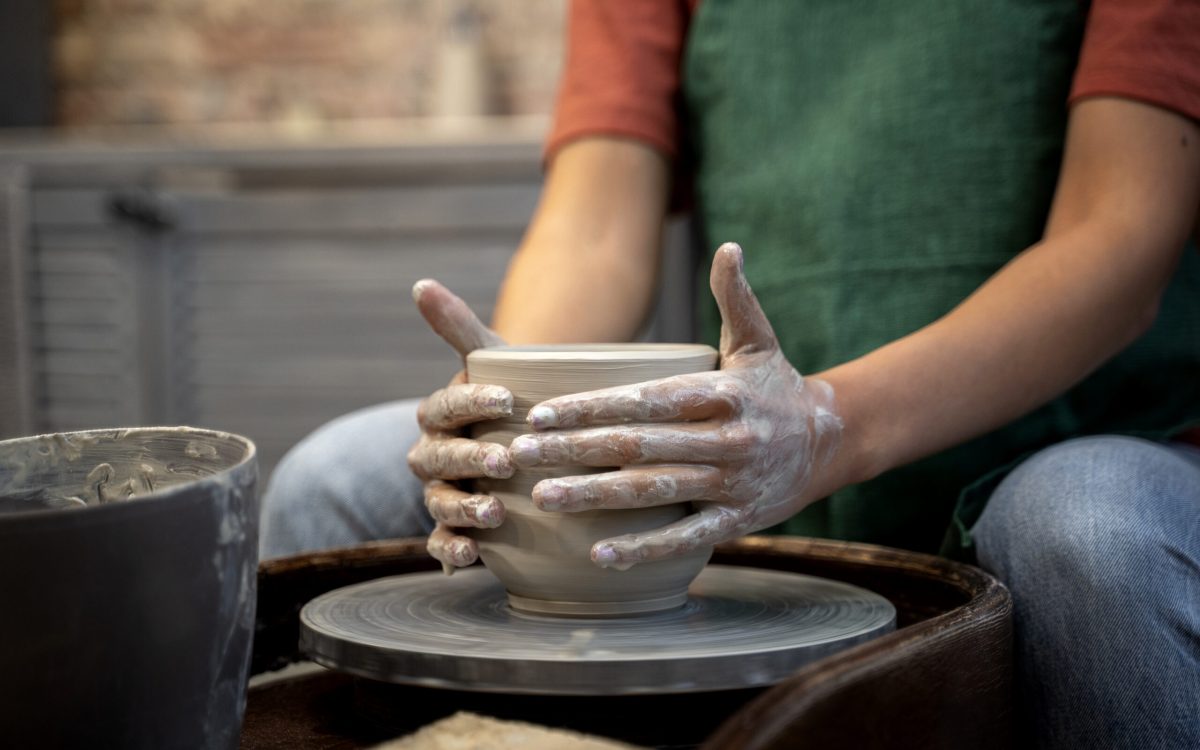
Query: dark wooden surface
point(285, 585)
point(943, 679)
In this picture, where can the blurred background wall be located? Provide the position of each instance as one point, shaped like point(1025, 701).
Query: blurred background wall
point(299, 62)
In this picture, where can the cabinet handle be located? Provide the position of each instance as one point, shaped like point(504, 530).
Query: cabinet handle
point(149, 210)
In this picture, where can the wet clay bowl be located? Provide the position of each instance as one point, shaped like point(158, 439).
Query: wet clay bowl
point(543, 558)
point(128, 565)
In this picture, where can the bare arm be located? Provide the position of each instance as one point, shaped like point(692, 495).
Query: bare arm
point(1126, 201)
point(587, 267)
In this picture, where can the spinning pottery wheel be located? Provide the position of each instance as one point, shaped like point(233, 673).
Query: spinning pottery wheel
point(740, 628)
point(941, 680)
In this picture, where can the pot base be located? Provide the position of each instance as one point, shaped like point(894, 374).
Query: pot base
point(596, 609)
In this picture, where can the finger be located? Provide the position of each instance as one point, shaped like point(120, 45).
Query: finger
point(457, 405)
point(631, 488)
point(621, 446)
point(453, 507)
point(451, 318)
point(744, 326)
point(684, 397)
point(453, 550)
point(714, 523)
point(458, 458)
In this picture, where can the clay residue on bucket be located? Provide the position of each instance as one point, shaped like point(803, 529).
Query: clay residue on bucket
point(87, 469)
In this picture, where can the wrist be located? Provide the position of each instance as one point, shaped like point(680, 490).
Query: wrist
point(858, 454)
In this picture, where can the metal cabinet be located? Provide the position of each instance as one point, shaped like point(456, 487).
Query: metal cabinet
point(259, 290)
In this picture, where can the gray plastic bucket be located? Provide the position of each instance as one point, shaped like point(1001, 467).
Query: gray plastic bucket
point(127, 587)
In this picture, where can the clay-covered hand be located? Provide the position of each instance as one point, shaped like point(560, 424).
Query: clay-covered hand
point(443, 455)
point(742, 443)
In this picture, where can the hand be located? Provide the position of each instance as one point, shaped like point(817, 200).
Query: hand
point(443, 455)
point(743, 443)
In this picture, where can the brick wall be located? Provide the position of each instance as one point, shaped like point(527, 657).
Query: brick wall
point(166, 62)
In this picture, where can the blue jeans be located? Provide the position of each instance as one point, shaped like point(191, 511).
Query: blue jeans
point(1099, 541)
point(347, 482)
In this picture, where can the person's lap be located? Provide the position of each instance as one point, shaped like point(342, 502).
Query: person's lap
point(1099, 541)
point(347, 482)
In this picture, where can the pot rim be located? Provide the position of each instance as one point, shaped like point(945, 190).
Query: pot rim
point(632, 352)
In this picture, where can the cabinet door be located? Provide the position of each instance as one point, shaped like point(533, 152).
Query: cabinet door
point(288, 308)
point(261, 293)
point(85, 358)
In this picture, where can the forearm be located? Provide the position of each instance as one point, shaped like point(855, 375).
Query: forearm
point(586, 269)
point(1042, 323)
point(1030, 333)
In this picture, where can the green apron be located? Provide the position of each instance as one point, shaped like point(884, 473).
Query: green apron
point(879, 160)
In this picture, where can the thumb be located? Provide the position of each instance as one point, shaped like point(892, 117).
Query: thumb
point(451, 318)
point(744, 326)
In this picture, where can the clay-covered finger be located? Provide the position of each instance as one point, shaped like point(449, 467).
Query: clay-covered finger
point(692, 397)
point(452, 550)
point(621, 446)
point(453, 507)
point(451, 318)
point(458, 405)
point(712, 524)
point(631, 488)
point(744, 326)
point(458, 458)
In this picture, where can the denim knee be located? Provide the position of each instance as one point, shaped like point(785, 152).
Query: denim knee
point(1099, 541)
point(1087, 504)
point(346, 482)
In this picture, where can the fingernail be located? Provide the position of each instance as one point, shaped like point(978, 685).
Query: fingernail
point(542, 417)
point(604, 555)
point(734, 249)
point(461, 553)
point(497, 466)
point(489, 512)
point(549, 495)
point(501, 401)
point(525, 451)
point(419, 288)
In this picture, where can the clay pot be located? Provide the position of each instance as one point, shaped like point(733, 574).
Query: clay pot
point(127, 588)
point(543, 558)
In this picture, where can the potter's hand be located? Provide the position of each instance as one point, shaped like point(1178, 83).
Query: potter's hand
point(443, 455)
point(743, 443)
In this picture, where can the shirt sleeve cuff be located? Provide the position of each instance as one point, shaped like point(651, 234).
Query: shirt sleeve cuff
point(619, 121)
point(1166, 90)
